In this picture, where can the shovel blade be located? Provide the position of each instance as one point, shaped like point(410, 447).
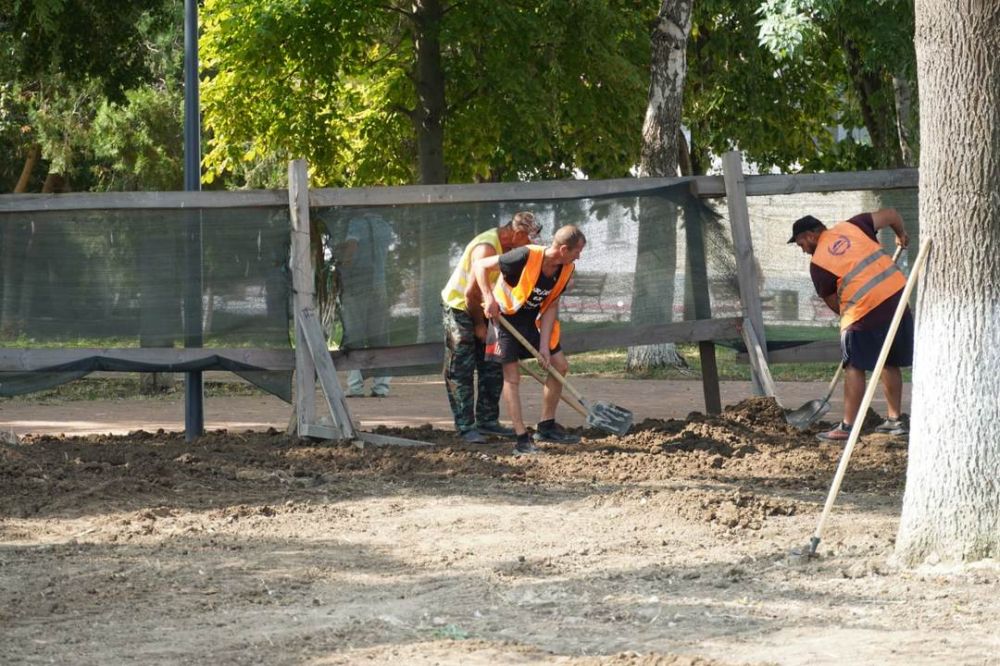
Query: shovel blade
point(807, 414)
point(612, 418)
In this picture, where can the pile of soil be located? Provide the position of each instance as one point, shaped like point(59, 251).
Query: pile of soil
point(748, 443)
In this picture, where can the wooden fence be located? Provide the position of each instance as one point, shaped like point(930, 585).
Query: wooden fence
point(734, 185)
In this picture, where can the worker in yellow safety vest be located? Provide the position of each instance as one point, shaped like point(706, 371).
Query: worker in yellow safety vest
point(475, 405)
point(860, 282)
point(532, 279)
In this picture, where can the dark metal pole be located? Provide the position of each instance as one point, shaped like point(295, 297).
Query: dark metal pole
point(194, 409)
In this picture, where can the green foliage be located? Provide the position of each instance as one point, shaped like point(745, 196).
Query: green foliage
point(533, 89)
point(871, 42)
point(740, 95)
point(67, 59)
point(139, 144)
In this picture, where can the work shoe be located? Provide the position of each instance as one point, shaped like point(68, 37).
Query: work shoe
point(473, 437)
point(893, 427)
point(550, 431)
point(524, 446)
point(839, 434)
point(379, 394)
point(355, 394)
point(494, 428)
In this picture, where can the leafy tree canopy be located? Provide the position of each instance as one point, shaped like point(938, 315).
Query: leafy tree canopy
point(871, 41)
point(533, 89)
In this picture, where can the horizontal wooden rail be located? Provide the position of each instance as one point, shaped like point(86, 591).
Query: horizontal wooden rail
point(431, 353)
point(35, 360)
point(23, 203)
point(822, 351)
point(848, 181)
point(702, 186)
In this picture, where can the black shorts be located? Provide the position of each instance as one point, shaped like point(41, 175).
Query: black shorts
point(502, 347)
point(861, 348)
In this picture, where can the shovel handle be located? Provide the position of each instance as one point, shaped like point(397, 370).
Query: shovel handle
point(534, 352)
point(565, 398)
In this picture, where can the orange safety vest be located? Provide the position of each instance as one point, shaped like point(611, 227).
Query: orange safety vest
point(866, 275)
point(510, 299)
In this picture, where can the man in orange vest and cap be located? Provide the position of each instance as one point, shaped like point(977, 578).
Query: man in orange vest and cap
point(860, 282)
point(532, 278)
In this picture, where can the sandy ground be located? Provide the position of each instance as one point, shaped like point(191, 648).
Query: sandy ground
point(666, 546)
point(414, 402)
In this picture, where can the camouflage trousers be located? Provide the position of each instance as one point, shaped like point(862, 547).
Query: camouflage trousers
point(464, 359)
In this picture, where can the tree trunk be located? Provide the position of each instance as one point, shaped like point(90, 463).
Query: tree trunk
point(877, 116)
point(30, 160)
point(951, 507)
point(656, 263)
point(905, 120)
point(428, 122)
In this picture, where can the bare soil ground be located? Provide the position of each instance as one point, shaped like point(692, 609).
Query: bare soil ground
point(666, 546)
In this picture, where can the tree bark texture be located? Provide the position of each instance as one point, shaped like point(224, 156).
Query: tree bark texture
point(656, 263)
point(428, 121)
point(906, 121)
point(951, 507)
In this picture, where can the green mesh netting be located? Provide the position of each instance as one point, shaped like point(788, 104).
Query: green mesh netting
point(115, 278)
point(793, 313)
point(636, 268)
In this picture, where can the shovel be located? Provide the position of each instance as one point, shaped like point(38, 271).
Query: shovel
point(812, 411)
point(603, 415)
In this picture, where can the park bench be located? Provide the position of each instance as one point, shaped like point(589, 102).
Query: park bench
point(585, 293)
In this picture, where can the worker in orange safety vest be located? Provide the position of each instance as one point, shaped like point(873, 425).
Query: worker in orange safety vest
point(860, 282)
point(532, 278)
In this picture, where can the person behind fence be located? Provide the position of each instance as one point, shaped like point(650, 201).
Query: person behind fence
point(361, 261)
point(475, 405)
point(532, 279)
point(861, 283)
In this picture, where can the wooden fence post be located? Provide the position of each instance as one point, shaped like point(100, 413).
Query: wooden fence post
point(303, 291)
point(696, 281)
point(739, 222)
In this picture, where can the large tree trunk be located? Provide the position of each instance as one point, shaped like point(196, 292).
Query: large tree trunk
point(656, 263)
point(428, 122)
point(951, 508)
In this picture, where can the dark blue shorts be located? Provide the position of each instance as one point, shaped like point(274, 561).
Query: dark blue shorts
point(861, 348)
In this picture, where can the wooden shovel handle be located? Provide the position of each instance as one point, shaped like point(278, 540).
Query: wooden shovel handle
point(534, 352)
point(565, 398)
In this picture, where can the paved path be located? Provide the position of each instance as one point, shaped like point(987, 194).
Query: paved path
point(414, 401)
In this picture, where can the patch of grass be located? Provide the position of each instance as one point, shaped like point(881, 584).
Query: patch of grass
point(611, 364)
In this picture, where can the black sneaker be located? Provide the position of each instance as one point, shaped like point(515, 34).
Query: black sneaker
point(495, 429)
point(524, 446)
point(473, 437)
point(554, 433)
point(893, 427)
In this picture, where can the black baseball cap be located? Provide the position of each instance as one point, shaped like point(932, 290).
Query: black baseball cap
point(804, 224)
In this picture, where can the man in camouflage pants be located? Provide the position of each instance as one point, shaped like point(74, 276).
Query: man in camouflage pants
point(465, 334)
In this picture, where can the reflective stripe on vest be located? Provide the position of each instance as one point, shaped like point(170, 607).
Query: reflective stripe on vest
point(866, 275)
point(453, 293)
point(511, 299)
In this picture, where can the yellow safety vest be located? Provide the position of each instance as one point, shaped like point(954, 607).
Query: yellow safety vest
point(866, 275)
point(510, 299)
point(453, 293)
